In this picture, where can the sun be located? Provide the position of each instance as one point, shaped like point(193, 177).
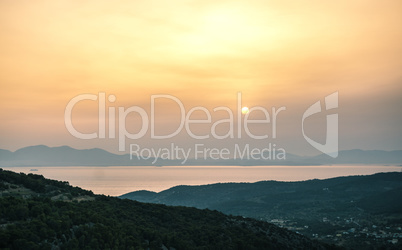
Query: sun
point(244, 110)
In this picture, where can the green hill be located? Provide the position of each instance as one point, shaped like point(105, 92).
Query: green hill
point(354, 211)
point(38, 213)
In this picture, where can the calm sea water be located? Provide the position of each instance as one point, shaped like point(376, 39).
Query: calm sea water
point(119, 180)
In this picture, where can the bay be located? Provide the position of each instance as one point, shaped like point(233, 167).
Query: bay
point(118, 180)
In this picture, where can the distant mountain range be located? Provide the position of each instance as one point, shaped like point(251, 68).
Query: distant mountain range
point(66, 156)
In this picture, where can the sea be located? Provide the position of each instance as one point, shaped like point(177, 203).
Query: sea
point(118, 180)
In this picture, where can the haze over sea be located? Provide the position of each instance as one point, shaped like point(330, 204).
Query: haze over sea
point(118, 180)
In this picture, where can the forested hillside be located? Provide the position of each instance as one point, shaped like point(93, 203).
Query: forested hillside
point(354, 211)
point(37, 213)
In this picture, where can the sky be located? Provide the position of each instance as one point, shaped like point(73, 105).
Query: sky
point(276, 53)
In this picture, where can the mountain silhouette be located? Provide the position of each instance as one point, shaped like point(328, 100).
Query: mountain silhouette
point(66, 156)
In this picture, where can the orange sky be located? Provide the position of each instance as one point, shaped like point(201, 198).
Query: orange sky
point(277, 53)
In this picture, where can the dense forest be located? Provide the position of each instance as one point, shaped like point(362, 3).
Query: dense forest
point(38, 213)
point(363, 212)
